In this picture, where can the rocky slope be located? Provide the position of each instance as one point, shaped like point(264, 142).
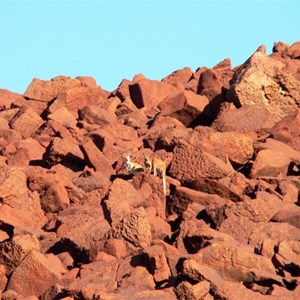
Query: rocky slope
point(76, 223)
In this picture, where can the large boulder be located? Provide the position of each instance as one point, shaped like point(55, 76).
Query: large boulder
point(262, 81)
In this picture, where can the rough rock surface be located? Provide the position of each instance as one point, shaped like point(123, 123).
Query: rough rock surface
point(78, 220)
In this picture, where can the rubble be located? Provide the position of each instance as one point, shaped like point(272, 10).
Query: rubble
point(76, 224)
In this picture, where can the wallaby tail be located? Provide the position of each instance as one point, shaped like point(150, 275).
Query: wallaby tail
point(164, 184)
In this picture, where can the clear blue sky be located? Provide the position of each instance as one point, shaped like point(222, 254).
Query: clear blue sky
point(112, 40)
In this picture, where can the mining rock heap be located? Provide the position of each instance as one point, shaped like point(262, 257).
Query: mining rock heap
point(83, 211)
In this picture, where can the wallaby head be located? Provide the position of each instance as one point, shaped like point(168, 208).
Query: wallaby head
point(126, 155)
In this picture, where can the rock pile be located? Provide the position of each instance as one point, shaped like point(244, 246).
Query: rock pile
point(77, 221)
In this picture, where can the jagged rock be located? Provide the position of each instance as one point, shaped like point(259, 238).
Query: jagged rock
point(262, 81)
point(75, 224)
point(246, 119)
point(156, 263)
point(287, 130)
point(14, 251)
point(186, 107)
point(97, 159)
point(96, 115)
point(34, 275)
point(64, 117)
point(270, 163)
point(121, 200)
point(7, 98)
point(237, 147)
point(134, 228)
point(190, 163)
point(26, 121)
point(178, 77)
point(186, 290)
point(149, 93)
point(234, 262)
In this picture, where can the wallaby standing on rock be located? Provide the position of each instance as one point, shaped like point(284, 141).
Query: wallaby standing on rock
point(159, 168)
point(132, 167)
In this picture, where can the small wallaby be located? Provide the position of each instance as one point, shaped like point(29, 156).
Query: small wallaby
point(132, 167)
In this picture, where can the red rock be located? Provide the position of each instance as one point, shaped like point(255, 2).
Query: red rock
point(122, 92)
point(149, 93)
point(183, 196)
point(285, 50)
point(281, 147)
point(9, 136)
point(291, 216)
point(117, 208)
point(288, 258)
point(33, 276)
point(87, 81)
point(134, 279)
point(197, 272)
point(56, 263)
point(64, 117)
point(3, 124)
point(14, 217)
point(115, 139)
point(262, 81)
point(20, 207)
point(124, 108)
point(64, 151)
point(93, 183)
point(8, 114)
point(274, 231)
point(47, 90)
point(83, 226)
point(186, 290)
point(233, 261)
point(70, 277)
point(279, 292)
point(236, 146)
point(96, 115)
point(214, 82)
point(189, 163)
point(26, 121)
point(156, 263)
point(137, 120)
point(192, 84)
point(160, 229)
point(97, 277)
point(7, 98)
point(116, 248)
point(289, 191)
point(177, 77)
point(9, 295)
point(210, 83)
point(15, 250)
point(270, 163)
point(26, 152)
point(3, 279)
point(287, 130)
point(66, 260)
point(150, 188)
point(195, 234)
point(97, 159)
point(165, 133)
point(52, 188)
point(78, 97)
point(248, 214)
point(186, 107)
point(3, 236)
point(248, 118)
point(134, 228)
